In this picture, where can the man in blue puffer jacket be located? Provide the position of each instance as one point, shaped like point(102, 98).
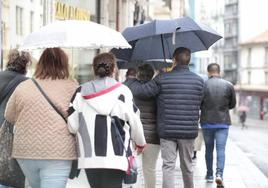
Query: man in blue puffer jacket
point(179, 94)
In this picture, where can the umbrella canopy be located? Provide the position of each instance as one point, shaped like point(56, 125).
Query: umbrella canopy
point(159, 38)
point(74, 34)
point(243, 108)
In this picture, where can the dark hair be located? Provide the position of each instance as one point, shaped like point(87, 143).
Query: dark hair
point(53, 64)
point(182, 56)
point(17, 61)
point(145, 72)
point(104, 64)
point(131, 72)
point(214, 68)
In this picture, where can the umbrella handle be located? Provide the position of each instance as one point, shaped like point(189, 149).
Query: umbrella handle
point(174, 36)
point(163, 48)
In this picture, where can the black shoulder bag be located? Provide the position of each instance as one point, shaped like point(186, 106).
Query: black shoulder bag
point(74, 170)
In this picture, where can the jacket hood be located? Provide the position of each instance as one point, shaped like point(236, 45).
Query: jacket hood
point(101, 94)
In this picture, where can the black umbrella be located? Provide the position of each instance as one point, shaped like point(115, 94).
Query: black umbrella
point(159, 38)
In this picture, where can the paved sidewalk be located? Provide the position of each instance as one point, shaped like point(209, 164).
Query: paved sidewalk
point(240, 172)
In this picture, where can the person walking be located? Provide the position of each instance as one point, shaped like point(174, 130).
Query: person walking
point(42, 145)
point(148, 118)
point(219, 98)
point(99, 111)
point(198, 143)
point(178, 94)
point(242, 118)
point(130, 74)
point(13, 75)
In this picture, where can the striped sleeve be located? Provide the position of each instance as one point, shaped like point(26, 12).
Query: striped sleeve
point(73, 112)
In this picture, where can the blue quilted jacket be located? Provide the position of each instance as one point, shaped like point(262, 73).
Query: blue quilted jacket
point(179, 94)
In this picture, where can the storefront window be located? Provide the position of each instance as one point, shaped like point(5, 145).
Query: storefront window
point(253, 102)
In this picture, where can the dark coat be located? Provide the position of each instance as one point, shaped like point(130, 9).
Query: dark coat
point(219, 98)
point(5, 78)
point(148, 115)
point(179, 94)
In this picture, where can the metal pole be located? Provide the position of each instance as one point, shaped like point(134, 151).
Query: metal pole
point(98, 16)
point(1, 33)
point(117, 15)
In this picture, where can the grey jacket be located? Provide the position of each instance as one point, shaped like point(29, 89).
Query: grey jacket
point(219, 98)
point(5, 78)
point(179, 94)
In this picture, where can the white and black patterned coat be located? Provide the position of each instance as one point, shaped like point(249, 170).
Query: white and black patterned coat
point(90, 117)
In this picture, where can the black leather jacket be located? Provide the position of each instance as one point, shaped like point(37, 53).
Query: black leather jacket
point(219, 98)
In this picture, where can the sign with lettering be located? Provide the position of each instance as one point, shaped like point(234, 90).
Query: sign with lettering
point(67, 12)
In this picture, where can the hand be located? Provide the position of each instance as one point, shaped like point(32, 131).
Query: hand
point(139, 149)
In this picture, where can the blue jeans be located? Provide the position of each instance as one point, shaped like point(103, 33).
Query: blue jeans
point(46, 173)
point(220, 136)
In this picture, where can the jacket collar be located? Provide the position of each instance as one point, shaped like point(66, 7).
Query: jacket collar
point(214, 76)
point(181, 67)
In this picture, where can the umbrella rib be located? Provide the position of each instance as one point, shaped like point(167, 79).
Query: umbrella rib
point(168, 47)
point(201, 40)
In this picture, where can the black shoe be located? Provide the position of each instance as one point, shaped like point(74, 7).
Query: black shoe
point(209, 179)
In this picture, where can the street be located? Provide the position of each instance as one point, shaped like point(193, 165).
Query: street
point(253, 141)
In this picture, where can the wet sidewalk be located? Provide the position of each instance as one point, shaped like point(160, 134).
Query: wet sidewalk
point(240, 172)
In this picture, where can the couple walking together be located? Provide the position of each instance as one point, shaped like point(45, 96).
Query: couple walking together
point(179, 95)
point(44, 144)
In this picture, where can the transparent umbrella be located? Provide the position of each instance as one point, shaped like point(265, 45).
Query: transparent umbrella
point(74, 34)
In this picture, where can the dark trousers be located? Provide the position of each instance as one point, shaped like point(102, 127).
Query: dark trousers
point(105, 178)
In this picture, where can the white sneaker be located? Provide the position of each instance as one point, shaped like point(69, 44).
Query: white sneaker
point(218, 180)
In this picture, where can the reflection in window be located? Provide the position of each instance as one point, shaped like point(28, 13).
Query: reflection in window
point(266, 78)
point(249, 77)
point(19, 25)
point(31, 21)
point(249, 58)
point(266, 57)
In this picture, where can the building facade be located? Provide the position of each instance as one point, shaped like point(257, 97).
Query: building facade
point(253, 72)
point(210, 13)
point(231, 40)
point(19, 18)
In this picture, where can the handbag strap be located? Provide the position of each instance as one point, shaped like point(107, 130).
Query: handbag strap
point(14, 82)
point(121, 140)
point(48, 100)
point(118, 134)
